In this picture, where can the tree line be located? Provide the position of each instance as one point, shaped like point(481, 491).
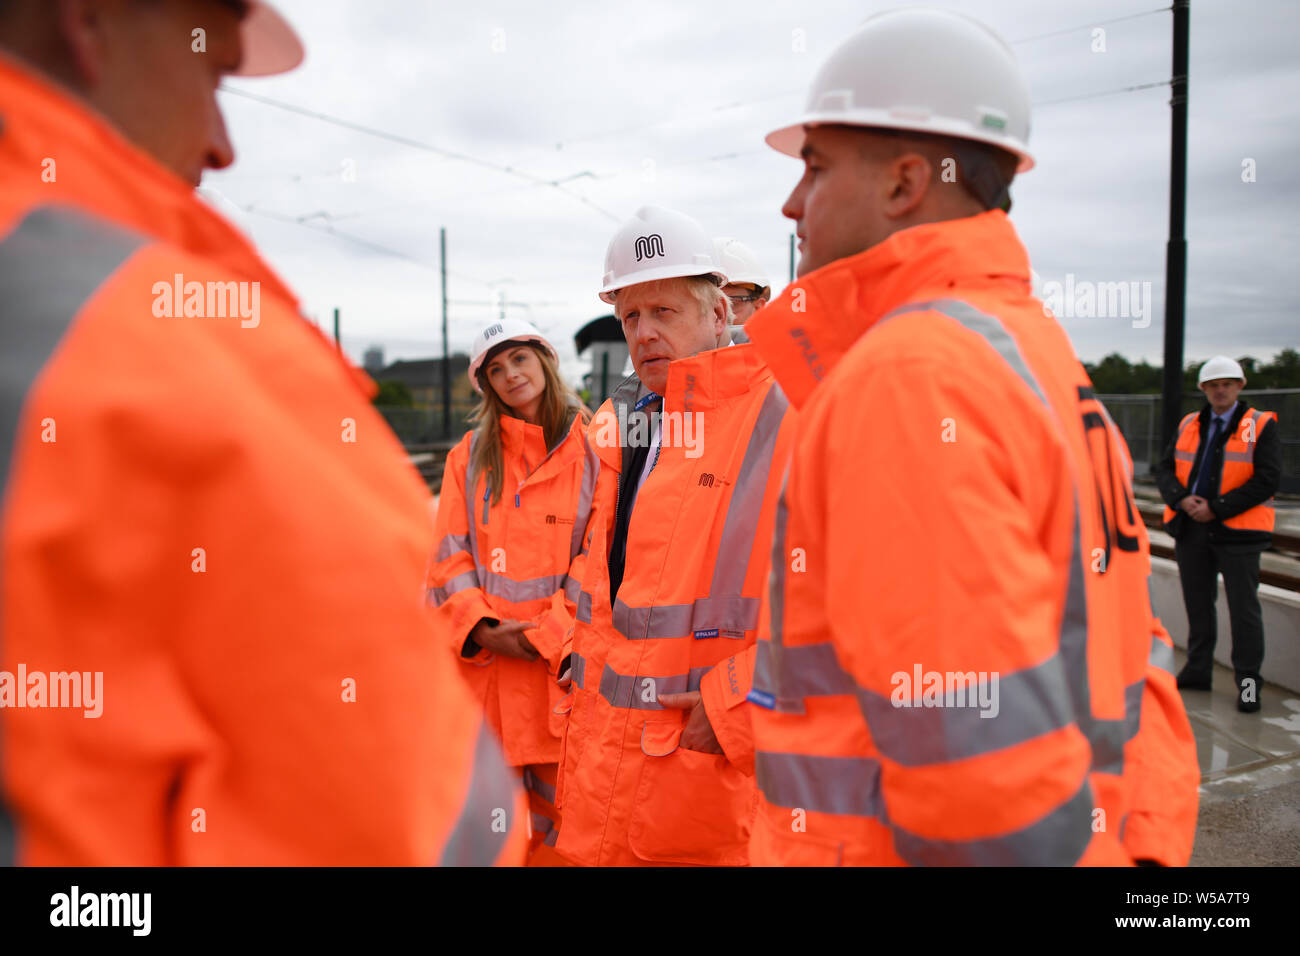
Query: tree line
point(1116, 375)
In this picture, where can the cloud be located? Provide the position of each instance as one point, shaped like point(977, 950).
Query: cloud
point(623, 103)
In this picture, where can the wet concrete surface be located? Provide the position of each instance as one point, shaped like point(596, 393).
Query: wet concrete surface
point(1250, 776)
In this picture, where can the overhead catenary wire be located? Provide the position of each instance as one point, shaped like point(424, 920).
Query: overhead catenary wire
point(1090, 96)
point(407, 141)
point(531, 180)
point(398, 254)
point(740, 104)
point(1089, 26)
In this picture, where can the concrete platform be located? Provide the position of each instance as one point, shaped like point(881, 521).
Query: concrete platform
point(1281, 611)
point(1250, 775)
point(1250, 763)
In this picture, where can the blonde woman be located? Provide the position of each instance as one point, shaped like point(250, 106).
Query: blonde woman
point(511, 525)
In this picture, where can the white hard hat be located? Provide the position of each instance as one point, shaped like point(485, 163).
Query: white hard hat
point(1220, 367)
point(738, 262)
point(507, 330)
point(270, 44)
point(923, 70)
point(657, 243)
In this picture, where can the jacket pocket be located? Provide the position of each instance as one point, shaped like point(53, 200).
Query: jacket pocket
point(690, 807)
point(787, 846)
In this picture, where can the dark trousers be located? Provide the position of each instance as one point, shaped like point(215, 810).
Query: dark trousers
point(1199, 563)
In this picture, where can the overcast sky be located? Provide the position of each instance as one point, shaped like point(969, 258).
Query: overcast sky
point(667, 102)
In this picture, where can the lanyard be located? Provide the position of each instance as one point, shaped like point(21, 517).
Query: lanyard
point(646, 400)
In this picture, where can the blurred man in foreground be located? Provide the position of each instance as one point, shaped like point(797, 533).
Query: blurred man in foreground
point(212, 646)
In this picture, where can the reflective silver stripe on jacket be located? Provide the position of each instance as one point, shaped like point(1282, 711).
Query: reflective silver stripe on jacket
point(726, 608)
point(731, 615)
point(636, 691)
point(450, 544)
point(1248, 456)
point(476, 839)
point(1058, 839)
point(531, 589)
point(534, 784)
point(849, 786)
point(51, 264)
point(774, 684)
point(438, 596)
point(1162, 656)
point(1031, 702)
point(1039, 716)
point(1043, 698)
point(590, 472)
point(492, 582)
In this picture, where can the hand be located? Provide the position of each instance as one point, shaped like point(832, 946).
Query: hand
point(698, 734)
point(1197, 508)
point(506, 638)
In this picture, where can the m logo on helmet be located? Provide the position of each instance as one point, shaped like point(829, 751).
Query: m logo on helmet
point(492, 330)
point(647, 247)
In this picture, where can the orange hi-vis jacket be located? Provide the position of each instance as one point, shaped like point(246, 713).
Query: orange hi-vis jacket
point(697, 564)
point(958, 662)
point(1238, 465)
point(519, 559)
point(206, 522)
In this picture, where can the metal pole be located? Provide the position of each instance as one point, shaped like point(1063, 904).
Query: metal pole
point(792, 257)
point(1176, 251)
point(338, 343)
point(1153, 451)
point(446, 359)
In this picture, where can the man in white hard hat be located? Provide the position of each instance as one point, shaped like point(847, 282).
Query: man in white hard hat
point(161, 400)
point(747, 286)
point(960, 649)
point(658, 755)
point(1218, 477)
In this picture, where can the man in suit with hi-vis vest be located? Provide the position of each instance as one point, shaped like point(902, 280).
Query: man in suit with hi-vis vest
point(1218, 478)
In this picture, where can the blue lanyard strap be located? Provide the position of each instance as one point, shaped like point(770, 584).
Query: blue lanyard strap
point(646, 400)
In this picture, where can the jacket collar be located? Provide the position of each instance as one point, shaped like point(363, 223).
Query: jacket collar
point(519, 439)
point(1238, 413)
point(100, 172)
point(701, 382)
point(807, 330)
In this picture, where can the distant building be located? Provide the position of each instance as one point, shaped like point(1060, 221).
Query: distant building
point(424, 378)
point(603, 338)
point(373, 361)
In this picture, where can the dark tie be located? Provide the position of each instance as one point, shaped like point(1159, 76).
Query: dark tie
point(636, 463)
point(1203, 476)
